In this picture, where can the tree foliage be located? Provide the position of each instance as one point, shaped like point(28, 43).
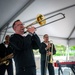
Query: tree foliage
point(72, 47)
point(60, 50)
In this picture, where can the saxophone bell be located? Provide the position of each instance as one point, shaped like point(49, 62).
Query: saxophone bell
point(6, 62)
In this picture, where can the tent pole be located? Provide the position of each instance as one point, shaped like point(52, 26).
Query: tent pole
point(67, 51)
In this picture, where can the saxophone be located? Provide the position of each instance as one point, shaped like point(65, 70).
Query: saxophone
point(5, 59)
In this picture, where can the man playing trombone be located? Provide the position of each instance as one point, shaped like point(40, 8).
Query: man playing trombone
point(23, 48)
point(47, 50)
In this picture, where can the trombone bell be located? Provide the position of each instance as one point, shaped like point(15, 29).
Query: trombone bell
point(41, 19)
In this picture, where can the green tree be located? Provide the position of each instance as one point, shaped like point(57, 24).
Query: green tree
point(72, 47)
point(60, 50)
point(72, 51)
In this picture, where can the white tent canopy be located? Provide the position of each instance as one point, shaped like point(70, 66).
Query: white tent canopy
point(61, 32)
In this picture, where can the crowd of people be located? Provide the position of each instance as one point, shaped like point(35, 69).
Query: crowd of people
point(21, 47)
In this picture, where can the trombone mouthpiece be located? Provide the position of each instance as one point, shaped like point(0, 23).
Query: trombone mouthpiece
point(25, 32)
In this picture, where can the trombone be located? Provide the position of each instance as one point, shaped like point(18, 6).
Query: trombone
point(49, 58)
point(42, 20)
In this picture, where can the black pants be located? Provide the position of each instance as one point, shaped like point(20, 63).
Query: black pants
point(9, 69)
point(50, 68)
point(26, 71)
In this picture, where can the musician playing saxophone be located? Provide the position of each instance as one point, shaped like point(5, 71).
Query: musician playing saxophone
point(5, 50)
point(47, 50)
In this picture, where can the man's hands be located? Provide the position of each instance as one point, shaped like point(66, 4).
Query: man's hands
point(31, 29)
point(48, 46)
